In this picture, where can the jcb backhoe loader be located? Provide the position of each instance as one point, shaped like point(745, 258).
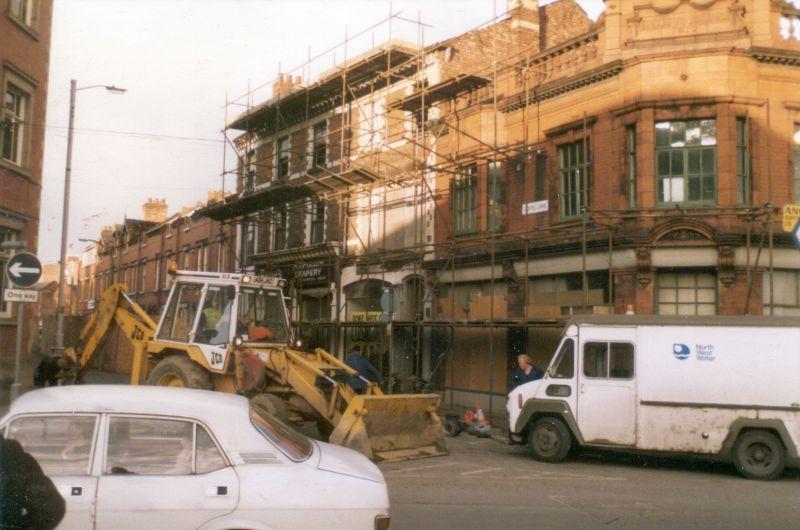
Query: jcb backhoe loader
point(231, 332)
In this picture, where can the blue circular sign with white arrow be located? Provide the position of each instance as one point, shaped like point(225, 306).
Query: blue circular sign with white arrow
point(24, 269)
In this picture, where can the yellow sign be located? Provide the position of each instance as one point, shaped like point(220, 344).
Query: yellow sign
point(791, 213)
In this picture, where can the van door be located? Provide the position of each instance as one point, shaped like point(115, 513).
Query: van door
point(607, 392)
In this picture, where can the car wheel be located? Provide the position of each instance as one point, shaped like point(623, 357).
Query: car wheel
point(179, 371)
point(549, 440)
point(759, 455)
point(270, 404)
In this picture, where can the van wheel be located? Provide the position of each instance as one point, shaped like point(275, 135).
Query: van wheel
point(180, 371)
point(549, 440)
point(759, 455)
point(271, 404)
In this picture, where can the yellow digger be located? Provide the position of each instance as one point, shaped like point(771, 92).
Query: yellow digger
point(231, 332)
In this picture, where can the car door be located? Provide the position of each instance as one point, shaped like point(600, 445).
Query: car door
point(607, 392)
point(213, 333)
point(162, 473)
point(64, 446)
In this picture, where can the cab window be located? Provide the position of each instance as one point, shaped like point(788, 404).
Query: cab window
point(215, 319)
point(261, 315)
point(608, 360)
point(61, 444)
point(180, 315)
point(149, 446)
point(564, 365)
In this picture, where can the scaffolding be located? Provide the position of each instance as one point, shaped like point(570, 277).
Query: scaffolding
point(390, 158)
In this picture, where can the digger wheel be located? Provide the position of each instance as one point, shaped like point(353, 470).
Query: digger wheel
point(179, 371)
point(271, 404)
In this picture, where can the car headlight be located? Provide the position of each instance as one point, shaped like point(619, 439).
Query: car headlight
point(382, 522)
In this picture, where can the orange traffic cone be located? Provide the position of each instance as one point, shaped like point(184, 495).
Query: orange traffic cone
point(480, 416)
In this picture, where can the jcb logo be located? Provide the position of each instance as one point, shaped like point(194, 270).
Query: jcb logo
point(137, 333)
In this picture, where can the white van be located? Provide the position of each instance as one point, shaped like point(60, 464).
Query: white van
point(726, 387)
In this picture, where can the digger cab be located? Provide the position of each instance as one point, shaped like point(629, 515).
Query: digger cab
point(212, 311)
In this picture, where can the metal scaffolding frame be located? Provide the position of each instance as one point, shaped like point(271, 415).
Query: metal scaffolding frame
point(375, 178)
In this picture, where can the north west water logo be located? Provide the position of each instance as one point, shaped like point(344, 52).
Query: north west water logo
point(681, 351)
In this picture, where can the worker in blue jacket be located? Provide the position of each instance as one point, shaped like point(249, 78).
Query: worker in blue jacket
point(526, 372)
point(365, 369)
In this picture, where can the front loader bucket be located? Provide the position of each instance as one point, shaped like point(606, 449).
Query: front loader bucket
point(392, 427)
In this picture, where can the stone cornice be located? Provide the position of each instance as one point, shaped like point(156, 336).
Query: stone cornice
point(561, 86)
point(775, 56)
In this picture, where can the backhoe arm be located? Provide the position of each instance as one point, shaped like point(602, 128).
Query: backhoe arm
point(114, 307)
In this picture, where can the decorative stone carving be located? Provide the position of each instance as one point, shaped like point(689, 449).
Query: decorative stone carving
point(644, 271)
point(683, 234)
point(725, 265)
point(668, 6)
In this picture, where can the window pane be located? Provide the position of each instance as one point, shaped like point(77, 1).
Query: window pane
point(694, 188)
point(676, 162)
point(215, 319)
point(594, 359)
point(62, 445)
point(662, 134)
point(677, 136)
point(208, 456)
point(686, 295)
point(694, 161)
point(667, 309)
point(621, 364)
point(708, 132)
point(146, 446)
point(663, 163)
point(693, 133)
point(565, 365)
point(706, 309)
point(188, 298)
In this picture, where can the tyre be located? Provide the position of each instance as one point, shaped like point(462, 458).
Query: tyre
point(759, 455)
point(271, 404)
point(179, 371)
point(549, 440)
point(451, 426)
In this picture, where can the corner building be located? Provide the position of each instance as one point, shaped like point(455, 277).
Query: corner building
point(540, 166)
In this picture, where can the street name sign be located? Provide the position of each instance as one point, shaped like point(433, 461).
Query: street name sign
point(791, 214)
point(24, 269)
point(20, 295)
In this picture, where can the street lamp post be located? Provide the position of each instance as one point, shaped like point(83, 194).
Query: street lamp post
point(73, 89)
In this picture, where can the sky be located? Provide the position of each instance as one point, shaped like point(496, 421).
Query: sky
point(180, 61)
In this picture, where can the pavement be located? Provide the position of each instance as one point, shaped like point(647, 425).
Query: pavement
point(486, 484)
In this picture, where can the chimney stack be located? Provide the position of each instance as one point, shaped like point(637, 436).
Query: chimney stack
point(155, 210)
point(284, 84)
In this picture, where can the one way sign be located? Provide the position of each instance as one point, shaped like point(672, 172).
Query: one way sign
point(24, 269)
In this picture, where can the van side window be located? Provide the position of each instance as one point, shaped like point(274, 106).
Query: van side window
point(564, 367)
point(608, 360)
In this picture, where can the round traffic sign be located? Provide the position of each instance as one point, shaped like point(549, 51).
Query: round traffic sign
point(24, 269)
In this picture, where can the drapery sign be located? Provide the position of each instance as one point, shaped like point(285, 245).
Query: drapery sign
point(535, 207)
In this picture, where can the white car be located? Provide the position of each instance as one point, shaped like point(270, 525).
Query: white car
point(159, 457)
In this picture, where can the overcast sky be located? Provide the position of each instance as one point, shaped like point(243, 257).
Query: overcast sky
point(178, 59)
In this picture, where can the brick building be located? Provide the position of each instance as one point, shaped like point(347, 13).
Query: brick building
point(24, 66)
point(446, 206)
point(137, 253)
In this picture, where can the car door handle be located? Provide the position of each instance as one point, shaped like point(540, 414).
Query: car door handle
point(216, 491)
point(76, 491)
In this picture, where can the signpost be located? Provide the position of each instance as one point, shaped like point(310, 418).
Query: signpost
point(23, 270)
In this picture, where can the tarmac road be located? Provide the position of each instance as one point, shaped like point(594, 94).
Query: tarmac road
point(484, 484)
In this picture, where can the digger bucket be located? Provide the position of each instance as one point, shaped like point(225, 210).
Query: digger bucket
point(392, 427)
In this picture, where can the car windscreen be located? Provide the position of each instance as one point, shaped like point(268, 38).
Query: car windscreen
point(293, 444)
point(261, 315)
